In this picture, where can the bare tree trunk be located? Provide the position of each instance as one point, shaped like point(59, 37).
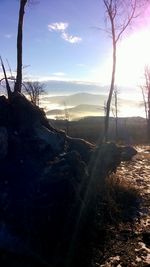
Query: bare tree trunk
point(116, 114)
point(112, 85)
point(9, 93)
point(18, 82)
point(146, 98)
point(145, 104)
point(120, 14)
point(148, 119)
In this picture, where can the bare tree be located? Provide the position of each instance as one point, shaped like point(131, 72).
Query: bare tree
point(34, 90)
point(18, 83)
point(115, 111)
point(119, 15)
point(144, 101)
point(9, 92)
point(146, 97)
point(67, 118)
point(18, 80)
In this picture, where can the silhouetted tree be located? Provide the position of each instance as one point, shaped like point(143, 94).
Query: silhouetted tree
point(34, 90)
point(67, 117)
point(146, 97)
point(119, 14)
point(115, 112)
point(9, 92)
point(18, 80)
point(18, 83)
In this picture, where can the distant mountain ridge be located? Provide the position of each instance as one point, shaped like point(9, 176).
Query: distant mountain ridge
point(73, 87)
point(81, 98)
point(55, 87)
point(76, 110)
point(84, 104)
point(77, 99)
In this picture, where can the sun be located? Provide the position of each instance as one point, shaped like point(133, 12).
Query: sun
point(133, 53)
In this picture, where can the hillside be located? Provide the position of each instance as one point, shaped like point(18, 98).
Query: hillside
point(130, 129)
point(47, 196)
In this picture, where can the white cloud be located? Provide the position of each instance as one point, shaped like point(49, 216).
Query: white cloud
point(62, 28)
point(70, 38)
point(58, 26)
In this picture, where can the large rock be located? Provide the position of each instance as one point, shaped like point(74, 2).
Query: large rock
point(3, 142)
point(46, 180)
point(105, 160)
point(4, 111)
point(25, 116)
point(53, 204)
point(46, 139)
point(83, 147)
point(66, 166)
point(127, 153)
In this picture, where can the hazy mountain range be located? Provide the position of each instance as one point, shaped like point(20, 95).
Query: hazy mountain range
point(72, 87)
point(82, 99)
point(84, 104)
point(76, 112)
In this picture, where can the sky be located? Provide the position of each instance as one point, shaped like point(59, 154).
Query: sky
point(66, 40)
point(60, 37)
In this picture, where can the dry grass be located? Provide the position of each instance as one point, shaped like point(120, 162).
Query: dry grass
point(119, 201)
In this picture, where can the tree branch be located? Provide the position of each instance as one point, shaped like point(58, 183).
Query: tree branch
point(6, 79)
point(128, 21)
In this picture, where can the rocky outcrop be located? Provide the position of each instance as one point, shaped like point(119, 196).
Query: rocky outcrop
point(45, 180)
point(127, 153)
point(25, 115)
point(46, 138)
point(3, 142)
point(83, 147)
point(105, 159)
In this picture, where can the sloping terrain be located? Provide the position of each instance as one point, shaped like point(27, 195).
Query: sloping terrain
point(47, 188)
point(129, 243)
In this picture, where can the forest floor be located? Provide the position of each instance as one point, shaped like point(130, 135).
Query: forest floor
point(129, 242)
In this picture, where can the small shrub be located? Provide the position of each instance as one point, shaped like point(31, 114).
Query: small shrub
point(121, 199)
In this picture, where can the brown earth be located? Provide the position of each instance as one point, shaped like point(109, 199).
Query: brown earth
point(129, 243)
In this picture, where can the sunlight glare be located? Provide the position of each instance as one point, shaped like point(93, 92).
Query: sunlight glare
point(132, 55)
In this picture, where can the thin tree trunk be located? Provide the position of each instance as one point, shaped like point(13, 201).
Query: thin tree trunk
point(148, 119)
point(9, 93)
point(145, 104)
point(147, 109)
point(106, 126)
point(118, 25)
point(116, 115)
point(18, 82)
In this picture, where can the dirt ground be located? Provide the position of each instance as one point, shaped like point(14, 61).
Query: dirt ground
point(130, 242)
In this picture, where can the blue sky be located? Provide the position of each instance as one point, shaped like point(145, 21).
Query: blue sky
point(62, 42)
point(72, 52)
